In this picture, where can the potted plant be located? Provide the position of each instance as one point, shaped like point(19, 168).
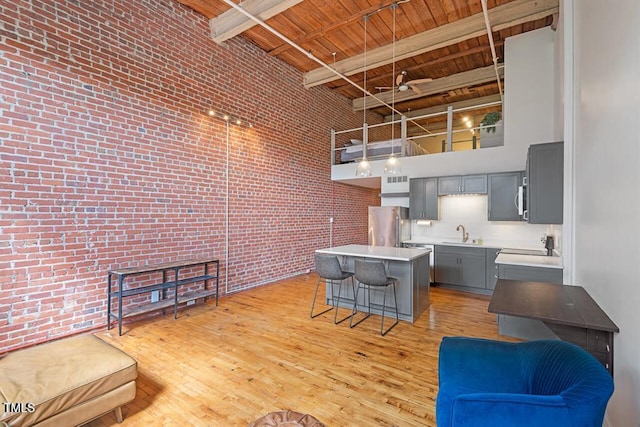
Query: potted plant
point(489, 121)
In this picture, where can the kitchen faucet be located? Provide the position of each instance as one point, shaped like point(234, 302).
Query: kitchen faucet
point(465, 235)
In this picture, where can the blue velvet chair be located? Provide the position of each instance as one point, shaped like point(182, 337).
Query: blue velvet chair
point(536, 383)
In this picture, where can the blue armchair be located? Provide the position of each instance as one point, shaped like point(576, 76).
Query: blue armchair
point(535, 383)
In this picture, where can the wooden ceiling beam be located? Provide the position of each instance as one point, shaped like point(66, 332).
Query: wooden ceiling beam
point(231, 23)
point(321, 32)
point(455, 81)
point(504, 16)
point(439, 60)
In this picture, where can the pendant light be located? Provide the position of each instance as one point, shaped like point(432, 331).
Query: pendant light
point(364, 168)
point(392, 165)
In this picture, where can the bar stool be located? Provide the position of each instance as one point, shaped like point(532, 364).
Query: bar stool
point(372, 276)
point(328, 269)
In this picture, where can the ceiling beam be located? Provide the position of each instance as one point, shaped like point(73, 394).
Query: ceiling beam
point(455, 81)
point(323, 31)
point(232, 22)
point(455, 105)
point(505, 16)
point(439, 60)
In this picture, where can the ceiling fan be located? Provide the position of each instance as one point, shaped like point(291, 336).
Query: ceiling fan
point(402, 84)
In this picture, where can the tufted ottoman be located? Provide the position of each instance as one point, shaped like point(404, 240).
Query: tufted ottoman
point(66, 382)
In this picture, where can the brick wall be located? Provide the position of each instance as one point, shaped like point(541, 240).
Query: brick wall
point(108, 159)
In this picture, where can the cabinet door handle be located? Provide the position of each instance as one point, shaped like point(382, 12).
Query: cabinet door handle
point(525, 215)
point(608, 349)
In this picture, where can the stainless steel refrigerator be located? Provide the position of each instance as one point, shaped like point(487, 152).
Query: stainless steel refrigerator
point(389, 225)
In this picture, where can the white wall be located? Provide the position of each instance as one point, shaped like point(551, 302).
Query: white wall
point(607, 179)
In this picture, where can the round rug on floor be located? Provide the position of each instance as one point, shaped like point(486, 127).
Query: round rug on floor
point(286, 419)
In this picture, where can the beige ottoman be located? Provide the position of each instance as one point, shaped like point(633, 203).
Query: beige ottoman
point(65, 383)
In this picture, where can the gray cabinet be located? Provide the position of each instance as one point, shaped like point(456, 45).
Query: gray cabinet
point(544, 188)
point(530, 274)
point(503, 196)
point(464, 184)
point(461, 266)
point(528, 329)
point(423, 198)
point(492, 268)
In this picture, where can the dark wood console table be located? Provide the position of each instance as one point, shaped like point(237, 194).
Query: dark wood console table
point(569, 311)
point(172, 283)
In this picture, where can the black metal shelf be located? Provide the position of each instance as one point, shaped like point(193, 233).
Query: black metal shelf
point(161, 286)
point(164, 302)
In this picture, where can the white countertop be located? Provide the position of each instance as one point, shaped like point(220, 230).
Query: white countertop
point(514, 259)
point(469, 243)
point(530, 260)
point(379, 252)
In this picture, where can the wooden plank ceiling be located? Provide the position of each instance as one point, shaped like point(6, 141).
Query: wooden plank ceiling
point(442, 40)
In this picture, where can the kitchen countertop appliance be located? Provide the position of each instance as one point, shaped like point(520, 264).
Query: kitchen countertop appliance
point(388, 225)
point(431, 255)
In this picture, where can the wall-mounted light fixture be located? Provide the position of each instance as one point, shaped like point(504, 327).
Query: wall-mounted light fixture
point(228, 118)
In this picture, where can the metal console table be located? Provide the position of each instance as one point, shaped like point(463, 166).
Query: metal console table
point(173, 283)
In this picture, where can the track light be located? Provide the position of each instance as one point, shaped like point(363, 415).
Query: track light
point(227, 118)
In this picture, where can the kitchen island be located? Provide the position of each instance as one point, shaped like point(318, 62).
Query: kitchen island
point(409, 266)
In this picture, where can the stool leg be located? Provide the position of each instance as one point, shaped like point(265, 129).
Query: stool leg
point(337, 305)
point(355, 307)
point(314, 299)
point(118, 414)
point(382, 331)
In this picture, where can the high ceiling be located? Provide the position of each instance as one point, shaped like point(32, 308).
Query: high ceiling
point(443, 40)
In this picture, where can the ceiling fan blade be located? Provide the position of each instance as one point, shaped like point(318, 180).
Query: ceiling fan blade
point(384, 87)
point(416, 89)
point(418, 81)
point(400, 78)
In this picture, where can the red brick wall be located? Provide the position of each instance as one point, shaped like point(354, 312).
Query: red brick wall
point(108, 159)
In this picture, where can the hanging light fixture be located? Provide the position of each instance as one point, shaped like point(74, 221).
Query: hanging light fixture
point(392, 165)
point(364, 168)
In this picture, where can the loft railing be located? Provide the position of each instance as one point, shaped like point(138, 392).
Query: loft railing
point(453, 133)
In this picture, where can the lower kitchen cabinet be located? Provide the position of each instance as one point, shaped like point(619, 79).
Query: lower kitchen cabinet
point(460, 266)
point(492, 268)
point(530, 274)
point(524, 328)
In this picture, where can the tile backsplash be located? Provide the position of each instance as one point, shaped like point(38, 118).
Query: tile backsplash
point(471, 212)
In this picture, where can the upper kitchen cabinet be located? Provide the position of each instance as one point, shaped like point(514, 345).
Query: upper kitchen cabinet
point(423, 198)
point(465, 184)
point(503, 196)
point(544, 183)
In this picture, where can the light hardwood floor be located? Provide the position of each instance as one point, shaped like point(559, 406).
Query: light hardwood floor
point(259, 352)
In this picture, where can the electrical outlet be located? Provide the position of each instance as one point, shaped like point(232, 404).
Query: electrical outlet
point(331, 220)
point(191, 302)
point(155, 296)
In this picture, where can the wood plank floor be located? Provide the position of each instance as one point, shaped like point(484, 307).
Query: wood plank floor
point(259, 352)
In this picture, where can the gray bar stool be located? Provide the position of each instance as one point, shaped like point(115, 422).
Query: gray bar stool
point(372, 276)
point(329, 270)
